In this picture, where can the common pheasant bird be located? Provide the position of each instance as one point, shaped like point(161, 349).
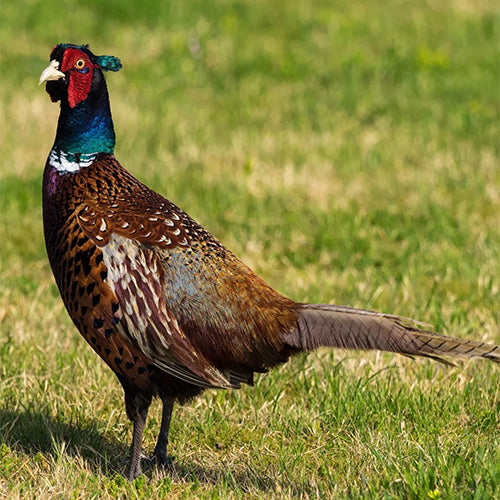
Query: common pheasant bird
point(161, 301)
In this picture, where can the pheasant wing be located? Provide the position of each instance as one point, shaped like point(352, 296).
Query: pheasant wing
point(131, 240)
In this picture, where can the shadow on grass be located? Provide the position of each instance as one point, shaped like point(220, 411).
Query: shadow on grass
point(32, 431)
point(243, 481)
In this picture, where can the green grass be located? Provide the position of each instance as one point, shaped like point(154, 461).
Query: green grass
point(348, 153)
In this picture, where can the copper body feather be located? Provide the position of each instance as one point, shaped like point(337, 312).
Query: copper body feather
point(148, 287)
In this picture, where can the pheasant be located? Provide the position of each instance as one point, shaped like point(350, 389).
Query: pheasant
point(161, 301)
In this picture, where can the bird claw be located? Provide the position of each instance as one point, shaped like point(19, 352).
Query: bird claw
point(161, 459)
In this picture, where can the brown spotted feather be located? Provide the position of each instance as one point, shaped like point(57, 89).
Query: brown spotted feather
point(81, 276)
point(151, 249)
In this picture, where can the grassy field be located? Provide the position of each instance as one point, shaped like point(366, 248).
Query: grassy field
point(348, 153)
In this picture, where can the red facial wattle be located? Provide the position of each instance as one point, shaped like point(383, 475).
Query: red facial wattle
point(80, 69)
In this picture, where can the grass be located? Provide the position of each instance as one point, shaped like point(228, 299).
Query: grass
point(348, 153)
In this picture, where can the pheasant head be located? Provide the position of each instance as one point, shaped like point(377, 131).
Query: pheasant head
point(74, 77)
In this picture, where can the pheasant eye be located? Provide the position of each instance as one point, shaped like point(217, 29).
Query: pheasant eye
point(80, 64)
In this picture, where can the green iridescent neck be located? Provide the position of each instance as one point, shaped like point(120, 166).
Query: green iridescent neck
point(88, 127)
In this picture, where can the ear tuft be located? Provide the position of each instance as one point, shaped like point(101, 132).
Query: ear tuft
point(108, 63)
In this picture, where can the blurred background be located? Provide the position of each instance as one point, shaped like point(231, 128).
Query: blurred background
point(332, 134)
point(348, 151)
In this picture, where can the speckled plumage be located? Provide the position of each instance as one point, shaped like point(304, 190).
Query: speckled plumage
point(164, 304)
point(123, 244)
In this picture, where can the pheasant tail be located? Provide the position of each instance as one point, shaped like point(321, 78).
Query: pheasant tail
point(344, 327)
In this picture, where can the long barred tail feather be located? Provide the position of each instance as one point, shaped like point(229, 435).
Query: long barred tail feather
point(345, 327)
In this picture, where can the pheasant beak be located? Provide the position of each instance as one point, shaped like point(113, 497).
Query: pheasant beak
point(51, 72)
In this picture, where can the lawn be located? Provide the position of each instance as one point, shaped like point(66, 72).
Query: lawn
point(349, 153)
